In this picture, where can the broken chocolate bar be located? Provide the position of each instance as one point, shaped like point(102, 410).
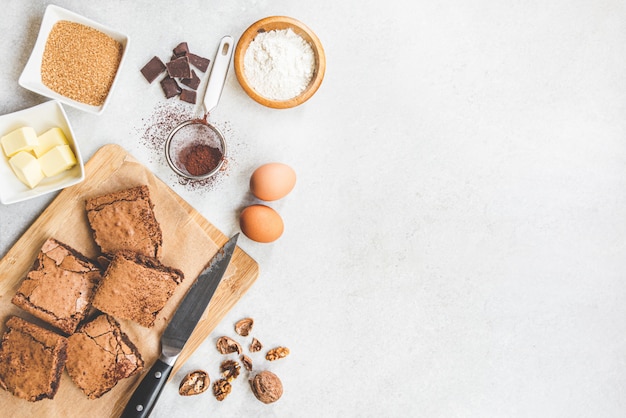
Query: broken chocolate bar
point(179, 68)
point(192, 82)
point(188, 96)
point(170, 87)
point(181, 49)
point(178, 71)
point(197, 61)
point(152, 69)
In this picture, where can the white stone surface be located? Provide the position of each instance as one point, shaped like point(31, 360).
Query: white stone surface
point(455, 244)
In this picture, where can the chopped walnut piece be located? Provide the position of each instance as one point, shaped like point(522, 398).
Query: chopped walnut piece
point(247, 362)
point(226, 345)
point(244, 326)
point(194, 383)
point(266, 386)
point(221, 389)
point(230, 370)
point(255, 345)
point(277, 353)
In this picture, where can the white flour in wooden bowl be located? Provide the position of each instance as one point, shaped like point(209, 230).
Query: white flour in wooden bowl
point(279, 64)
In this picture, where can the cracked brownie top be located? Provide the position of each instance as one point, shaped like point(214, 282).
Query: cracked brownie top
point(99, 355)
point(59, 287)
point(125, 220)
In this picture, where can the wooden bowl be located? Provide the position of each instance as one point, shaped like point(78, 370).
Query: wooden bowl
point(280, 23)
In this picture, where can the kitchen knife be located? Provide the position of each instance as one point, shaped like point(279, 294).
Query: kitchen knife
point(178, 331)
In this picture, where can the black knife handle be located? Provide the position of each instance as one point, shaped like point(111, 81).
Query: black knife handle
point(145, 396)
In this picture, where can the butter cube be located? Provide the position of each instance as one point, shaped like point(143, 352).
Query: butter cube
point(22, 139)
point(58, 159)
point(48, 140)
point(26, 168)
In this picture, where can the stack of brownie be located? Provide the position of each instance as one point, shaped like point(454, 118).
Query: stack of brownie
point(84, 303)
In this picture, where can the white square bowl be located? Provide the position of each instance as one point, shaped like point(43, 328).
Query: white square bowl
point(31, 75)
point(41, 118)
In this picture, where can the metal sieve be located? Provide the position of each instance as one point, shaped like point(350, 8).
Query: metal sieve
point(199, 131)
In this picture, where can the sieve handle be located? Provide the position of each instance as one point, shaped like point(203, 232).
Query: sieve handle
point(217, 78)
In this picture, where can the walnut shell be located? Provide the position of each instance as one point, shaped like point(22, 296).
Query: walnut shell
point(255, 345)
point(194, 383)
point(247, 362)
point(226, 345)
point(266, 386)
point(244, 326)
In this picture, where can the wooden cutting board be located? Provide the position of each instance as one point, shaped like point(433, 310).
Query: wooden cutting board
point(189, 241)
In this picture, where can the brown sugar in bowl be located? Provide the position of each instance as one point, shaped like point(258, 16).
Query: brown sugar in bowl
point(280, 23)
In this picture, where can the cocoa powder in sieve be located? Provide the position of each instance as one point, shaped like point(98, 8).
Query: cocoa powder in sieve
point(200, 159)
point(164, 118)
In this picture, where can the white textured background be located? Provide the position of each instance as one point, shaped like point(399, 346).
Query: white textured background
point(455, 244)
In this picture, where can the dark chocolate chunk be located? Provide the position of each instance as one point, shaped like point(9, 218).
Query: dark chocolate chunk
point(152, 69)
point(192, 82)
point(179, 68)
point(170, 87)
point(181, 50)
point(197, 61)
point(188, 96)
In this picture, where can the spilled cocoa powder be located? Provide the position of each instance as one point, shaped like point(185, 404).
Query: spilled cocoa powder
point(154, 132)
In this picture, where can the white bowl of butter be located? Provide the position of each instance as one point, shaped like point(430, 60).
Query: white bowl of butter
point(39, 153)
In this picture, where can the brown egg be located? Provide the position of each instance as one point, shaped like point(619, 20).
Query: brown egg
point(261, 223)
point(272, 181)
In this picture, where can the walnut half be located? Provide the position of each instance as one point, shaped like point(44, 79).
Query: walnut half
point(194, 383)
point(221, 389)
point(266, 386)
point(276, 353)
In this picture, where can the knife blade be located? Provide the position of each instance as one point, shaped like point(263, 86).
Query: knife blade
point(178, 331)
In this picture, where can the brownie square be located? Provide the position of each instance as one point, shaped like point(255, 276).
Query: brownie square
point(99, 355)
point(59, 287)
point(125, 220)
point(136, 287)
point(31, 360)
